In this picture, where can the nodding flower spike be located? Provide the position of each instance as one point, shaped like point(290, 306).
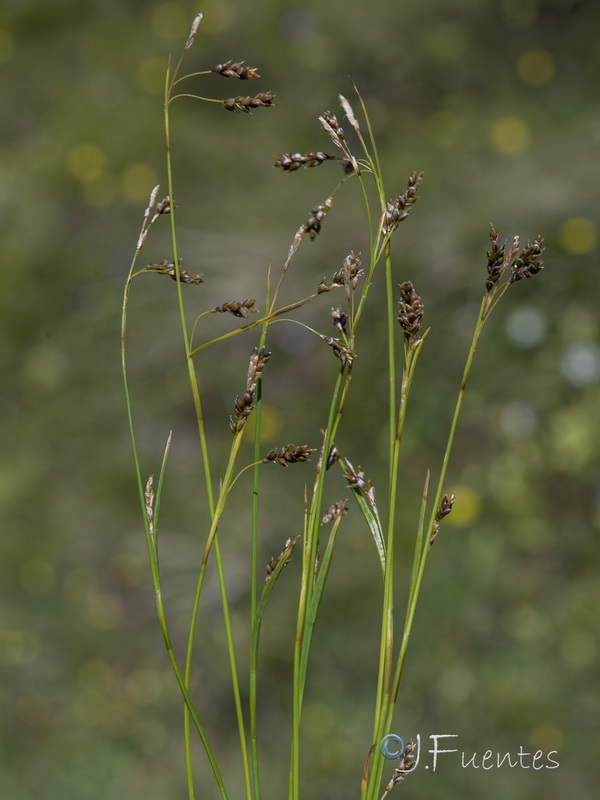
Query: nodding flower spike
point(291, 454)
point(231, 69)
point(289, 162)
point(240, 308)
point(246, 104)
point(168, 268)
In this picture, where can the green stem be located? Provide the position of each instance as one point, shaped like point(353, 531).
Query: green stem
point(212, 510)
point(151, 545)
point(417, 580)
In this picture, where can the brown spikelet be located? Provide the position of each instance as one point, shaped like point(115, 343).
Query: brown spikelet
point(333, 456)
point(338, 509)
point(444, 508)
point(332, 128)
point(312, 226)
point(339, 319)
point(243, 406)
point(410, 313)
point(290, 454)
point(358, 483)
point(406, 764)
point(348, 275)
point(529, 261)
point(231, 69)
point(285, 556)
point(344, 353)
point(398, 209)
point(246, 104)
point(293, 161)
point(258, 361)
point(168, 268)
point(240, 308)
point(496, 264)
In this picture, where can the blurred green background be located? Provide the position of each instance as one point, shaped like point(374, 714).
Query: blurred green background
point(497, 103)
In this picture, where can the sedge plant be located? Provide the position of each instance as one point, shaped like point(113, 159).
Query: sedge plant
point(314, 536)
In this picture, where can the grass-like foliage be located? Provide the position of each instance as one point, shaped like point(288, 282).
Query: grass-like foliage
point(313, 536)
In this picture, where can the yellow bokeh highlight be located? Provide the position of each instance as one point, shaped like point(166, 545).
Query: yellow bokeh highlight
point(37, 576)
point(18, 646)
point(578, 235)
point(6, 45)
point(137, 181)
point(86, 162)
point(546, 737)
point(510, 136)
point(218, 16)
point(271, 424)
point(151, 75)
point(171, 21)
point(466, 509)
point(443, 128)
point(535, 67)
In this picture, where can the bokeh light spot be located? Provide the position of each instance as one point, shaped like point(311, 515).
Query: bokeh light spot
point(171, 21)
point(86, 162)
point(580, 364)
point(37, 576)
point(6, 45)
point(270, 424)
point(546, 737)
point(18, 646)
point(526, 327)
point(466, 509)
point(535, 67)
point(443, 128)
point(578, 235)
point(138, 180)
point(509, 136)
point(151, 75)
point(518, 419)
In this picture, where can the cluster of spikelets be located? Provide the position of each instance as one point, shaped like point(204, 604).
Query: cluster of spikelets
point(512, 264)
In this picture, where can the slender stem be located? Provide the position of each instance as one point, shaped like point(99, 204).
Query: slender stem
point(194, 97)
point(251, 325)
point(152, 550)
point(416, 582)
point(307, 583)
point(212, 510)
